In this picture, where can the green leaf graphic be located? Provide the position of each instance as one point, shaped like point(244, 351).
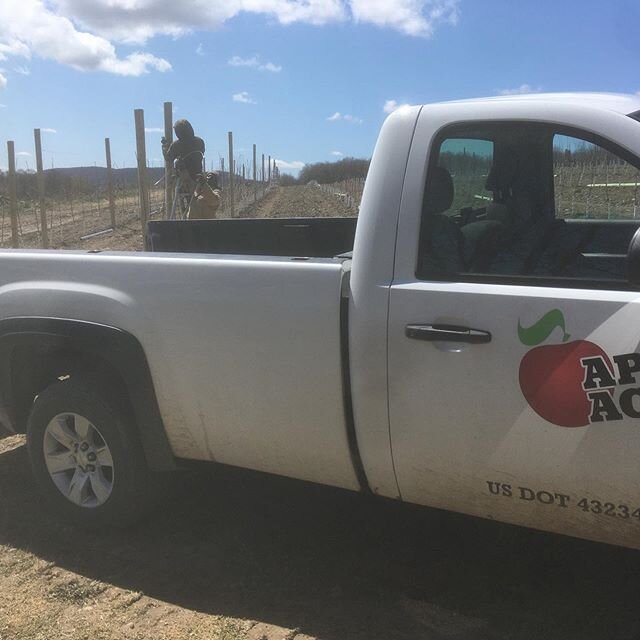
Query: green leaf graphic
point(541, 330)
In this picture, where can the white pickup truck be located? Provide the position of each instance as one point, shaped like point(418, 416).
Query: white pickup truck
point(471, 344)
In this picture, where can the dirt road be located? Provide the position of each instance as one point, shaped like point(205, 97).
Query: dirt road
point(291, 202)
point(234, 555)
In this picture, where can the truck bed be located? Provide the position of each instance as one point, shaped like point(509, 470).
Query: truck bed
point(245, 353)
point(308, 237)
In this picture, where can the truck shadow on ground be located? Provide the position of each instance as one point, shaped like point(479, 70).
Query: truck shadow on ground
point(336, 565)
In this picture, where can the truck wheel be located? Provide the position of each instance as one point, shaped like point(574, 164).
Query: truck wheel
point(85, 456)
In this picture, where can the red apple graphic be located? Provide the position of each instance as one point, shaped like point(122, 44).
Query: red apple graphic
point(551, 378)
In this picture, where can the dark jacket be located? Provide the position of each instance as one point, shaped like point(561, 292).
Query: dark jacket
point(188, 148)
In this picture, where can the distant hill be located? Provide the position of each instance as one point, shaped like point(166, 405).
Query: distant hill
point(330, 172)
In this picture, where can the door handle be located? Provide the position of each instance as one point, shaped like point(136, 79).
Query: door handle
point(447, 333)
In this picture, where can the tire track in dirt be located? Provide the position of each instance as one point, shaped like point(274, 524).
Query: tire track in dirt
point(299, 201)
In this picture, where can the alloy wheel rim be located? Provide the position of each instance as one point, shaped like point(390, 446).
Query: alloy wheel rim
point(78, 460)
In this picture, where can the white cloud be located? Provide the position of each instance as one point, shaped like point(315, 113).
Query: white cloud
point(12, 47)
point(296, 165)
point(269, 66)
point(47, 130)
point(200, 50)
point(338, 154)
point(135, 21)
point(393, 105)
point(254, 63)
point(412, 17)
point(25, 154)
point(135, 64)
point(344, 116)
point(23, 70)
point(81, 33)
point(32, 27)
point(522, 89)
point(153, 130)
point(3, 81)
point(3, 106)
point(237, 61)
point(243, 97)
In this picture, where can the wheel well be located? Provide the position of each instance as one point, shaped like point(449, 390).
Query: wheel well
point(34, 367)
point(35, 352)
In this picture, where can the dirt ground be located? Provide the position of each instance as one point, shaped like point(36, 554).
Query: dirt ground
point(233, 555)
point(291, 202)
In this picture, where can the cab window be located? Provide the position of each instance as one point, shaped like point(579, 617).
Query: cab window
point(528, 203)
point(591, 183)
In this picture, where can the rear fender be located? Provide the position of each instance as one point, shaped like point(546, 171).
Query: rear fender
point(54, 343)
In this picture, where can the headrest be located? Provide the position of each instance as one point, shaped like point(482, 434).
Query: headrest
point(439, 193)
point(503, 170)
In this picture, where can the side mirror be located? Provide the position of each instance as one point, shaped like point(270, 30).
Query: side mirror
point(633, 260)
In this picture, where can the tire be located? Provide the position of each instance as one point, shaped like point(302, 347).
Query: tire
point(86, 457)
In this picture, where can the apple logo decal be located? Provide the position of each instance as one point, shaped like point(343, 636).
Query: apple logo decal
point(552, 376)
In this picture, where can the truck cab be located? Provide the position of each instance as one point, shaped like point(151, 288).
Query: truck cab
point(506, 355)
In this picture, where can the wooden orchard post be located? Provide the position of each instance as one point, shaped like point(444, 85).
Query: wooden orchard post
point(141, 152)
point(44, 233)
point(168, 168)
point(231, 172)
point(255, 171)
point(262, 174)
point(269, 171)
point(13, 204)
point(112, 202)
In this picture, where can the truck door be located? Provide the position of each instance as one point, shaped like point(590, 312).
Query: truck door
point(514, 365)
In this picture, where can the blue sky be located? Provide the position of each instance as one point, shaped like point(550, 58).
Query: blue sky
point(297, 64)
